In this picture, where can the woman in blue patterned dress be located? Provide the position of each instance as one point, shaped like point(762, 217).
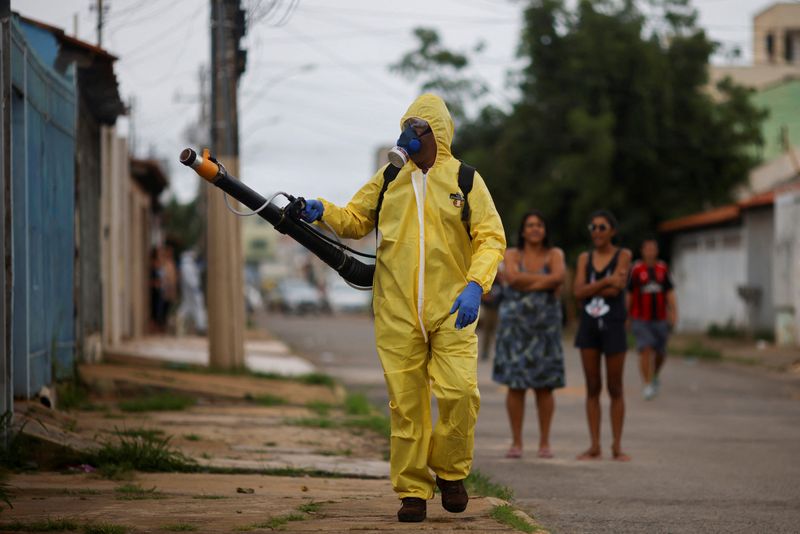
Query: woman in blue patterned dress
point(528, 353)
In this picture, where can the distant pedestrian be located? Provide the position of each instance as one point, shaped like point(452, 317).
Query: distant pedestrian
point(169, 284)
point(192, 308)
point(529, 352)
point(487, 320)
point(653, 312)
point(600, 282)
point(156, 295)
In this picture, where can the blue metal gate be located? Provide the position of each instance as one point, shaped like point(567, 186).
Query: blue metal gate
point(43, 168)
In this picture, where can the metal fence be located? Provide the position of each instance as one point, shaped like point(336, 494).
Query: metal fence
point(43, 169)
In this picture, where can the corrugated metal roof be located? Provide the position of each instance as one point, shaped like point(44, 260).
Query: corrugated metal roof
point(97, 81)
point(724, 214)
point(149, 174)
point(714, 217)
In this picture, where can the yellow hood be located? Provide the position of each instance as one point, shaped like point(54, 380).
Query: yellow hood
point(433, 110)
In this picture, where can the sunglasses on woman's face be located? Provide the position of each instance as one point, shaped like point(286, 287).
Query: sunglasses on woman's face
point(597, 227)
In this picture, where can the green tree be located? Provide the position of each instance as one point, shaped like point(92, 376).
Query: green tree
point(441, 70)
point(613, 112)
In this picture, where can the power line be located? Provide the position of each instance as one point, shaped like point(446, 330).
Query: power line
point(312, 43)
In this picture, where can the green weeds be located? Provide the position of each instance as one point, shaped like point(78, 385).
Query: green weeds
point(357, 404)
point(696, 349)
point(104, 528)
point(270, 400)
point(481, 484)
point(179, 527)
point(191, 437)
point(146, 433)
point(157, 402)
point(505, 514)
point(320, 408)
point(142, 453)
point(43, 525)
point(134, 492)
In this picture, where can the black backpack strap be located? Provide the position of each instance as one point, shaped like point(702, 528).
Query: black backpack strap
point(466, 175)
point(389, 174)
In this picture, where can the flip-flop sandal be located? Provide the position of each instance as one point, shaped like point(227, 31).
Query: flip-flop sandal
point(514, 452)
point(544, 453)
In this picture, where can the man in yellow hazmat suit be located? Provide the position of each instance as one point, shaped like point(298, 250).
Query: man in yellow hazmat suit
point(431, 270)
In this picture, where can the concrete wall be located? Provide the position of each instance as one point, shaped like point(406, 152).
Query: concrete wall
point(760, 242)
point(707, 267)
point(786, 268)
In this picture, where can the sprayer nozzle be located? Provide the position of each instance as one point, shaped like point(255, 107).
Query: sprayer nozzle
point(202, 165)
point(188, 156)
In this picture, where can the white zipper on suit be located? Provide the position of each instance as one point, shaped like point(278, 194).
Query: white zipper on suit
point(420, 180)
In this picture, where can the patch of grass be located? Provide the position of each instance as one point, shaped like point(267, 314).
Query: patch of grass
point(15, 451)
point(72, 395)
point(376, 423)
point(179, 527)
point(270, 400)
point(320, 408)
point(157, 402)
point(727, 330)
point(357, 404)
point(338, 452)
point(134, 492)
point(44, 525)
point(744, 360)
point(144, 454)
point(314, 422)
point(104, 528)
point(5, 489)
point(118, 472)
point(147, 433)
point(505, 514)
point(82, 492)
point(309, 378)
point(209, 497)
point(696, 349)
point(270, 444)
point(481, 484)
point(191, 437)
point(310, 507)
point(274, 522)
point(319, 379)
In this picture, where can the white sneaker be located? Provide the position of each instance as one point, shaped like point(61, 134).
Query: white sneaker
point(649, 392)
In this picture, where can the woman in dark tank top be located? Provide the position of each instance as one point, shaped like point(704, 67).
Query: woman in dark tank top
point(600, 281)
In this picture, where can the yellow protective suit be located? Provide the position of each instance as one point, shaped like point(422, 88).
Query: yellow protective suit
point(425, 259)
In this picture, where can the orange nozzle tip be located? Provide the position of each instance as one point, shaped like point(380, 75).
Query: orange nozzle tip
point(207, 169)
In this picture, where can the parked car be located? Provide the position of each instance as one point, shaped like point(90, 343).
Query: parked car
point(343, 298)
point(294, 295)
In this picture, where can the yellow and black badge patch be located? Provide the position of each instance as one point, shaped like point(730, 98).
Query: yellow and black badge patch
point(458, 199)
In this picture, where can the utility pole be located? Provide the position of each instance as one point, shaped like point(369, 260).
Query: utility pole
point(225, 286)
point(100, 14)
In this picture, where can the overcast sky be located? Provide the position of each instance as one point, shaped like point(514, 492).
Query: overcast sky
point(317, 99)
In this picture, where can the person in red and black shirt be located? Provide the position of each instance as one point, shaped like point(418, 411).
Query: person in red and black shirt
point(653, 311)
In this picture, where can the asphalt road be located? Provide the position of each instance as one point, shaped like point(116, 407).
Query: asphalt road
point(717, 451)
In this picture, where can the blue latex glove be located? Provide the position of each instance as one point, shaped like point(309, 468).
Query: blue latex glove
point(467, 304)
point(313, 210)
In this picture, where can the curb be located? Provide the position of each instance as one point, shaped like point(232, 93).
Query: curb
point(539, 529)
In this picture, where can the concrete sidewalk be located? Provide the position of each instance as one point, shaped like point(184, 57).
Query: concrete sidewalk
point(241, 434)
point(261, 356)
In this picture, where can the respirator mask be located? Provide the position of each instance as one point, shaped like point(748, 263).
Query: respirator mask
point(409, 142)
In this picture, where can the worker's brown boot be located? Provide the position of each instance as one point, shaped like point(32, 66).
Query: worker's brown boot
point(413, 510)
point(454, 495)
